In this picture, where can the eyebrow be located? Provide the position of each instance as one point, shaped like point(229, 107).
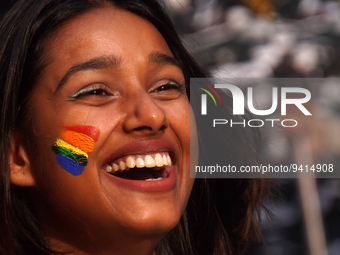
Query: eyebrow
point(163, 59)
point(104, 62)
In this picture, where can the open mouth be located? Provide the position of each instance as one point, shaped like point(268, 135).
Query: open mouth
point(149, 167)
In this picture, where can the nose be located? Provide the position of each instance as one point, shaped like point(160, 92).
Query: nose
point(144, 115)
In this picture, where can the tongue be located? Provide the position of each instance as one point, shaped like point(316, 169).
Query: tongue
point(140, 176)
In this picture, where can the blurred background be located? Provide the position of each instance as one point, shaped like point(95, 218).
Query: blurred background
point(279, 38)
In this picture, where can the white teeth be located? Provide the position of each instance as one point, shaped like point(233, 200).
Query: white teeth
point(108, 168)
point(169, 161)
point(149, 161)
point(165, 160)
point(130, 162)
point(159, 178)
point(122, 165)
point(115, 167)
point(159, 160)
point(140, 163)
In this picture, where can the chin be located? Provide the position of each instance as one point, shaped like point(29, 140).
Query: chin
point(155, 219)
point(151, 227)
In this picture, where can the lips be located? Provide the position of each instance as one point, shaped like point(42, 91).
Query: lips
point(148, 165)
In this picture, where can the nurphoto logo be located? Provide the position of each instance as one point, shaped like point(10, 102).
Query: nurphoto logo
point(204, 97)
point(239, 104)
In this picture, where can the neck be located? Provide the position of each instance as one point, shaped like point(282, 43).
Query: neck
point(112, 245)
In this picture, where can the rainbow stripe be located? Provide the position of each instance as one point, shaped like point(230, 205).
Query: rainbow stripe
point(73, 147)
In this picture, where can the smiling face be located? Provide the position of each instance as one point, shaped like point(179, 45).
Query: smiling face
point(110, 71)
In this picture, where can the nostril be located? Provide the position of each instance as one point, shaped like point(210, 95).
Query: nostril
point(163, 127)
point(143, 128)
point(147, 128)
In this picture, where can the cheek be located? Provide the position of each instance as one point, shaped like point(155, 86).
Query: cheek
point(193, 143)
point(58, 168)
point(179, 122)
point(73, 147)
point(60, 141)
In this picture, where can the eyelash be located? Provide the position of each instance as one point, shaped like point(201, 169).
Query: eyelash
point(91, 91)
point(170, 85)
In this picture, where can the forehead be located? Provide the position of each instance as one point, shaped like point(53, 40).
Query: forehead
point(105, 31)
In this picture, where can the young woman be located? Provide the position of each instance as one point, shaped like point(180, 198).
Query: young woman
point(94, 142)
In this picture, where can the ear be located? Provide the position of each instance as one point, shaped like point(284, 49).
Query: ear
point(20, 167)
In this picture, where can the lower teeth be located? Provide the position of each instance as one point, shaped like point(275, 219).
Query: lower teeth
point(151, 179)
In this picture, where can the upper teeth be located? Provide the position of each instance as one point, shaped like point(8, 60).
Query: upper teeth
point(140, 161)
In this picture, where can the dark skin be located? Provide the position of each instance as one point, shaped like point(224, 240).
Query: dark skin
point(134, 93)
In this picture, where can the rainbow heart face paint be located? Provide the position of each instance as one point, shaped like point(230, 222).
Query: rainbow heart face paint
point(73, 147)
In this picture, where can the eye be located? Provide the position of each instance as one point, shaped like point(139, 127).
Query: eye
point(167, 90)
point(169, 86)
point(98, 90)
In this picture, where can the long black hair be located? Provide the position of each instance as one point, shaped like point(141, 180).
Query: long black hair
point(219, 218)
